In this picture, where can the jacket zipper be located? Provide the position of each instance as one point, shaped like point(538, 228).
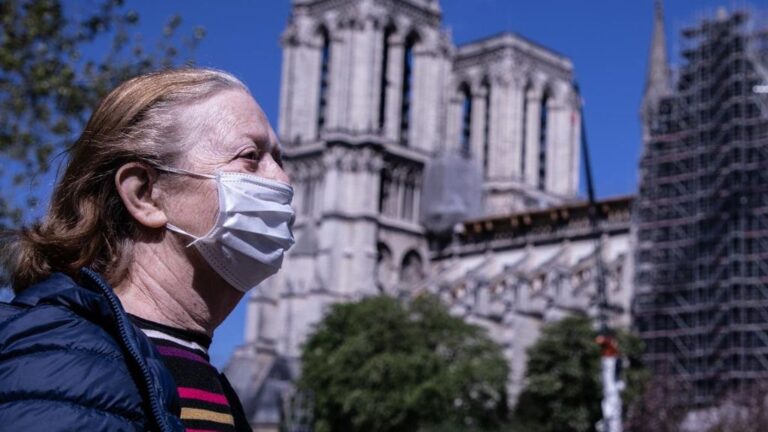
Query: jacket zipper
point(153, 402)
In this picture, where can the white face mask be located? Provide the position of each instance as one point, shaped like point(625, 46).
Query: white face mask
point(252, 231)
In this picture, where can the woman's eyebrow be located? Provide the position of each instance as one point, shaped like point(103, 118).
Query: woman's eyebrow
point(261, 141)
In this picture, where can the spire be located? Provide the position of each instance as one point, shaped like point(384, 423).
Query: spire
point(657, 82)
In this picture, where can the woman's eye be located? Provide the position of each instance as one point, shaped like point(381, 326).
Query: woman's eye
point(253, 155)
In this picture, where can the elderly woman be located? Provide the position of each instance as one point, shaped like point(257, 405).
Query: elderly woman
point(173, 204)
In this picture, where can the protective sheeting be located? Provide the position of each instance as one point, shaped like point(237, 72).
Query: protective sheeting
point(452, 192)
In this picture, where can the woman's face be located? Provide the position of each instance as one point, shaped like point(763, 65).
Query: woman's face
point(228, 132)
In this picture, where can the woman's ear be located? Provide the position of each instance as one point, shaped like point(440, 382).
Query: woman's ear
point(135, 183)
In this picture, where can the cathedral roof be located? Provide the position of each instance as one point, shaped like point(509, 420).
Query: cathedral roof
point(544, 225)
point(431, 7)
point(508, 38)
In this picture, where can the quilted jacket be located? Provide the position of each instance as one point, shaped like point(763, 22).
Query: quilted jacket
point(70, 360)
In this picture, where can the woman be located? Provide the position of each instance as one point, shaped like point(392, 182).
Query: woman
point(173, 204)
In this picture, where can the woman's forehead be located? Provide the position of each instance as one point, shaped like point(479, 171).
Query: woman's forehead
point(232, 117)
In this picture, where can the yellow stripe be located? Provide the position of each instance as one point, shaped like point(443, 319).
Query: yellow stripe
point(201, 414)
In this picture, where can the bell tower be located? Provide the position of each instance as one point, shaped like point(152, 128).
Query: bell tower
point(362, 67)
point(360, 116)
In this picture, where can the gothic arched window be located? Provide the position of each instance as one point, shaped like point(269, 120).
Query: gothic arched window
point(412, 269)
point(309, 197)
point(466, 120)
point(384, 267)
point(385, 187)
point(409, 197)
point(325, 63)
point(543, 122)
point(384, 79)
point(406, 96)
point(486, 125)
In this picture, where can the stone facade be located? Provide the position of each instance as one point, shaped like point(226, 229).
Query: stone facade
point(374, 95)
point(513, 274)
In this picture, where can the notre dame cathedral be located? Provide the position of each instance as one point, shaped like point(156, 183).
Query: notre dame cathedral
point(420, 165)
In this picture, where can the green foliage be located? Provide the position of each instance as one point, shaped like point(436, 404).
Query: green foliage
point(636, 377)
point(379, 365)
point(563, 389)
point(48, 86)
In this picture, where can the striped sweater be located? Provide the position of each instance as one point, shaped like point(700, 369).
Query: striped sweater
point(208, 403)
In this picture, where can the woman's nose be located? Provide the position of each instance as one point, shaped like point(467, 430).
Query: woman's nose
point(270, 169)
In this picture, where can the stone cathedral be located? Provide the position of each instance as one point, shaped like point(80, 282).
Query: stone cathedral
point(420, 165)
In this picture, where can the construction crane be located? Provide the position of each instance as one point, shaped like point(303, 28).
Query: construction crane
point(610, 360)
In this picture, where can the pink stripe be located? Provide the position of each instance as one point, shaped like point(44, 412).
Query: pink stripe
point(176, 352)
point(199, 430)
point(193, 393)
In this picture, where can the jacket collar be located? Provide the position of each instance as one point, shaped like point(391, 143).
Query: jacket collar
point(85, 299)
point(55, 284)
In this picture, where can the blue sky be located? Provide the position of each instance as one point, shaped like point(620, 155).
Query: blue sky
point(606, 39)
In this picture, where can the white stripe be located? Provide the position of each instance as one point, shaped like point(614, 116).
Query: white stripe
point(160, 335)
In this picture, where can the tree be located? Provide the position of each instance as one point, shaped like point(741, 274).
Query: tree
point(563, 388)
point(378, 365)
point(48, 85)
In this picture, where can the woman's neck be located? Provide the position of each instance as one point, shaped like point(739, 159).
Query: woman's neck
point(172, 285)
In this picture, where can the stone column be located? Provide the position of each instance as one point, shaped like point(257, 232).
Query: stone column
point(299, 200)
point(399, 193)
point(575, 146)
point(374, 87)
point(428, 90)
point(320, 204)
point(299, 91)
point(417, 199)
point(502, 161)
point(251, 331)
point(515, 96)
point(551, 145)
point(421, 105)
point(494, 149)
point(329, 261)
point(286, 89)
point(443, 108)
point(304, 91)
point(558, 170)
point(533, 115)
point(365, 229)
point(453, 124)
point(339, 88)
point(261, 324)
point(362, 80)
point(394, 88)
point(373, 167)
point(477, 132)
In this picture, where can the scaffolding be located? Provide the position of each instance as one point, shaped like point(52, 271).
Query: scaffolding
point(701, 302)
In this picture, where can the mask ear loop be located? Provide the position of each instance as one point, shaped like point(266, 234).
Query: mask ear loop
point(181, 171)
point(169, 226)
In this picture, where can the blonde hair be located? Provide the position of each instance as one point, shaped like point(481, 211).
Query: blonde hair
point(87, 224)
